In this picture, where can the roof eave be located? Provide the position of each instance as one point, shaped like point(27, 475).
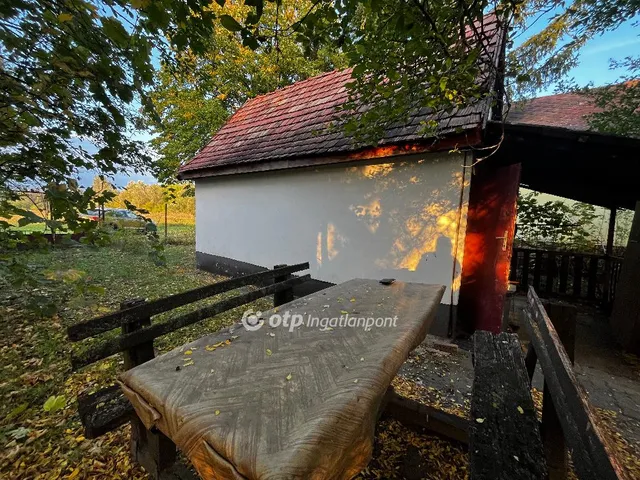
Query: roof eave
point(460, 141)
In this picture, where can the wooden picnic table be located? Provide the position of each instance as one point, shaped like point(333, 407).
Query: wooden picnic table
point(283, 402)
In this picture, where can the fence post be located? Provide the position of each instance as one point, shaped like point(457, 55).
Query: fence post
point(153, 450)
point(283, 296)
point(563, 318)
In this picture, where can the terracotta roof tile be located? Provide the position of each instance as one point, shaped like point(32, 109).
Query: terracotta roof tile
point(292, 122)
point(565, 110)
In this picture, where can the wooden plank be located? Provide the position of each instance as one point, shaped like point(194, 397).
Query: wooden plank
point(104, 411)
point(577, 275)
point(536, 270)
point(525, 269)
point(127, 341)
point(607, 287)
point(413, 413)
point(590, 450)
point(564, 273)
point(592, 279)
point(551, 272)
point(113, 320)
point(504, 437)
point(563, 317)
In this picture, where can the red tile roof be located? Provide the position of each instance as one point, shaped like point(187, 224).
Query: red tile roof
point(565, 110)
point(291, 123)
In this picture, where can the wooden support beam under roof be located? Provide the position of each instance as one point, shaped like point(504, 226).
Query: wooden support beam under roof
point(589, 167)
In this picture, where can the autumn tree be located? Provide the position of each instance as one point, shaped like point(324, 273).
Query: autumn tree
point(195, 96)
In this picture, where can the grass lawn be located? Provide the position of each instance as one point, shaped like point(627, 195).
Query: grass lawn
point(34, 366)
point(34, 357)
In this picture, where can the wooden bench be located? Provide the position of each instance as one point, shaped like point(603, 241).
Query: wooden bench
point(108, 409)
point(505, 439)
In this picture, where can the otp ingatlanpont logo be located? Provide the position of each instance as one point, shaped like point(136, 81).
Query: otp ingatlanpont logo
point(251, 320)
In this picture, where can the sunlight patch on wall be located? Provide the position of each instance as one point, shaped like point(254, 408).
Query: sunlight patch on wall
point(319, 250)
point(370, 213)
point(380, 170)
point(332, 252)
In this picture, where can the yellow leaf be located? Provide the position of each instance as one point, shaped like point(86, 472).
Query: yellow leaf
point(289, 377)
point(268, 352)
point(189, 363)
point(353, 300)
point(344, 312)
point(80, 439)
point(65, 17)
point(480, 420)
point(217, 412)
point(520, 410)
point(188, 352)
point(75, 473)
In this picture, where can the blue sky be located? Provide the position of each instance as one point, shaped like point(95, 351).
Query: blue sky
point(593, 67)
point(595, 56)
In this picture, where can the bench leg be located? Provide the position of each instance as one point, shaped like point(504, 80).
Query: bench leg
point(153, 450)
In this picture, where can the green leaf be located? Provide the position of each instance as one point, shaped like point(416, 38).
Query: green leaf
point(115, 31)
point(53, 403)
point(359, 69)
point(230, 23)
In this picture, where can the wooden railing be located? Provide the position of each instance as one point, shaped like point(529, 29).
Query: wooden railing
point(577, 275)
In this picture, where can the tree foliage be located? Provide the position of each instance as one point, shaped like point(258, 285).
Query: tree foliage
point(562, 223)
point(195, 96)
point(545, 58)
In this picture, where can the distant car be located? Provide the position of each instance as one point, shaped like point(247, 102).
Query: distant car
point(121, 218)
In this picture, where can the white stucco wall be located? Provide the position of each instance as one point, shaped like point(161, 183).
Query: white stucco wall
point(399, 220)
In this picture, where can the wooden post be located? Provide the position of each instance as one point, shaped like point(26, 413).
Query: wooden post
point(607, 261)
point(625, 318)
point(283, 296)
point(563, 318)
point(153, 450)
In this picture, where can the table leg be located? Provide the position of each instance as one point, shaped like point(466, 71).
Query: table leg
point(151, 449)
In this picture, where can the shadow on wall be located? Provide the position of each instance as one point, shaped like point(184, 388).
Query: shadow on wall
point(405, 222)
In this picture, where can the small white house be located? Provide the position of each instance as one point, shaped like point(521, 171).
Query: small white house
point(276, 185)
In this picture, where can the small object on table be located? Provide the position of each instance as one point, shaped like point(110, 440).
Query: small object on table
point(299, 404)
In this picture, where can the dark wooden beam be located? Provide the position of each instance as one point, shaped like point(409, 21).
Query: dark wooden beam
point(131, 340)
point(413, 413)
point(563, 318)
point(590, 449)
point(113, 320)
point(504, 436)
point(104, 411)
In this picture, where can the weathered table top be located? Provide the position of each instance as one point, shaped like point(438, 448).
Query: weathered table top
point(284, 402)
